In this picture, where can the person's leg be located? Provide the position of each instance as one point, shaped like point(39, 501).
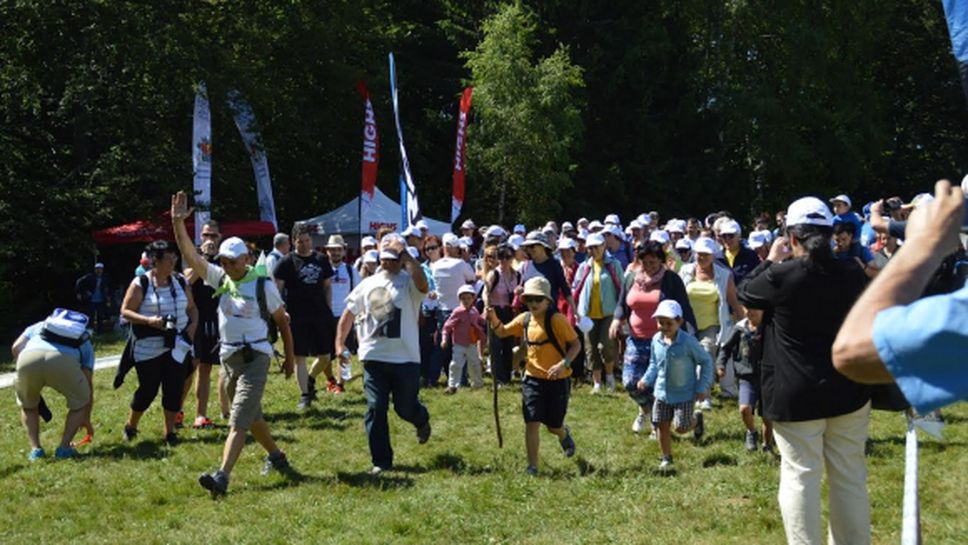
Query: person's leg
point(224, 399)
point(31, 421)
point(405, 384)
point(324, 365)
point(74, 420)
point(474, 371)
point(609, 350)
point(172, 387)
point(532, 440)
point(203, 387)
point(683, 419)
point(232, 449)
point(456, 368)
point(249, 381)
point(440, 356)
point(746, 412)
point(801, 470)
point(149, 381)
point(376, 387)
point(843, 448)
point(593, 357)
point(665, 438)
point(302, 375)
point(260, 432)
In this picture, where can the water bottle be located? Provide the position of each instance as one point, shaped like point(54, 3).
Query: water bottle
point(345, 366)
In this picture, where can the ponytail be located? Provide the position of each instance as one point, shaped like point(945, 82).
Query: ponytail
point(815, 239)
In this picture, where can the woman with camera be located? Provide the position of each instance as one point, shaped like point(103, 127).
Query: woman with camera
point(163, 318)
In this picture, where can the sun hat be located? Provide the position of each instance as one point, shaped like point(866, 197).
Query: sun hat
point(371, 256)
point(536, 237)
point(495, 231)
point(335, 241)
point(367, 241)
point(842, 198)
point(567, 244)
point(683, 244)
point(515, 241)
point(537, 286)
point(466, 288)
point(730, 227)
point(612, 219)
point(450, 239)
point(595, 225)
point(660, 236)
point(594, 239)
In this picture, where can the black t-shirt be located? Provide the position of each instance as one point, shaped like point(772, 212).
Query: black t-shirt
point(804, 310)
point(305, 279)
point(551, 269)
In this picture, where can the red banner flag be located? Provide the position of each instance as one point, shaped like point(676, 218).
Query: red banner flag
point(371, 150)
point(457, 202)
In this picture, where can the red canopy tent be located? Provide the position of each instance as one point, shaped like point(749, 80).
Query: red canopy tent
point(160, 229)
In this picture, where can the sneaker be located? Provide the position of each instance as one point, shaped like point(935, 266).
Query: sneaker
point(130, 433)
point(752, 439)
point(450, 391)
point(171, 439)
point(331, 386)
point(180, 420)
point(423, 432)
point(64, 453)
point(639, 424)
point(338, 389)
point(202, 422)
point(597, 388)
point(377, 470)
point(216, 482)
point(278, 461)
point(531, 470)
point(706, 405)
point(768, 447)
point(610, 383)
point(36, 454)
point(568, 444)
point(654, 436)
point(700, 425)
point(305, 402)
point(666, 463)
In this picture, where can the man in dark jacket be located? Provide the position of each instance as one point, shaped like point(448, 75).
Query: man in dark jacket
point(94, 294)
point(740, 259)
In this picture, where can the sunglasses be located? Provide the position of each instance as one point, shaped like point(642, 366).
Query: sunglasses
point(505, 257)
point(532, 299)
point(728, 235)
point(490, 256)
point(431, 248)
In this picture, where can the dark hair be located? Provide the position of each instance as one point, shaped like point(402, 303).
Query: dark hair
point(505, 249)
point(845, 227)
point(301, 228)
point(815, 239)
point(158, 248)
point(650, 247)
point(213, 224)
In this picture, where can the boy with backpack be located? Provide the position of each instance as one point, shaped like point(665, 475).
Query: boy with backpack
point(744, 345)
point(551, 345)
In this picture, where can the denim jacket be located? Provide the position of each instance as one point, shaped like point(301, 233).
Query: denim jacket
point(672, 368)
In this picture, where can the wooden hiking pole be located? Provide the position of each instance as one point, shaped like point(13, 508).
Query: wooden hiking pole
point(497, 416)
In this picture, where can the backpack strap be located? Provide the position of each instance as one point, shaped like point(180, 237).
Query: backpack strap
point(260, 295)
point(585, 269)
point(549, 333)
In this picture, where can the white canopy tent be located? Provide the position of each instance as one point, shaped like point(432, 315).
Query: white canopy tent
point(382, 212)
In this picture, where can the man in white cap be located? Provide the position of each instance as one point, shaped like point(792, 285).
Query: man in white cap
point(414, 237)
point(449, 274)
point(759, 243)
point(245, 349)
point(304, 277)
point(842, 213)
point(385, 308)
point(612, 219)
point(94, 294)
point(367, 243)
point(280, 249)
point(345, 278)
point(520, 229)
point(740, 259)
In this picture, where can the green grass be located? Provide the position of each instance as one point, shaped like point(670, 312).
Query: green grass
point(458, 488)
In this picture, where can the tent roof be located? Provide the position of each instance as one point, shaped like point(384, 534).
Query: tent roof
point(383, 212)
point(160, 229)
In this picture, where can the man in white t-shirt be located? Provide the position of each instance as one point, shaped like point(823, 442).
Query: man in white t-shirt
point(344, 279)
point(385, 308)
point(245, 348)
point(450, 273)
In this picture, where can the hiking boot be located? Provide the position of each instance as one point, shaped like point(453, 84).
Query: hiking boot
point(64, 453)
point(567, 444)
point(531, 470)
point(216, 482)
point(423, 432)
point(700, 425)
point(171, 439)
point(639, 424)
point(202, 422)
point(277, 461)
point(36, 454)
point(752, 439)
point(180, 420)
point(130, 433)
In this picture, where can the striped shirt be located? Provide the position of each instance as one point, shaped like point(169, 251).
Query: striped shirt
point(158, 302)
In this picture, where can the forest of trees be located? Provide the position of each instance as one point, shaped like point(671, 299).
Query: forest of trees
point(581, 108)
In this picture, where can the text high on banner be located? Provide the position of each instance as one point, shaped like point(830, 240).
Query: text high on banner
point(371, 152)
point(245, 121)
point(411, 207)
point(202, 159)
point(460, 155)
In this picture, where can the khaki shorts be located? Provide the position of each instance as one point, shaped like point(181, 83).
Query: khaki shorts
point(39, 368)
point(245, 383)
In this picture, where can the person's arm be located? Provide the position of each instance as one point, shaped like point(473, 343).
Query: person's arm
point(282, 324)
point(132, 302)
point(18, 345)
point(192, 312)
point(733, 300)
point(343, 328)
point(511, 329)
point(727, 349)
point(328, 286)
point(706, 369)
point(560, 327)
point(932, 232)
point(651, 372)
point(179, 212)
point(878, 221)
point(448, 329)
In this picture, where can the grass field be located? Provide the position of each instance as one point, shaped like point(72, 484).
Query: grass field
point(458, 488)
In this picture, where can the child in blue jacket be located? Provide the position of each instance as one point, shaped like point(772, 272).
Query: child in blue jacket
point(672, 375)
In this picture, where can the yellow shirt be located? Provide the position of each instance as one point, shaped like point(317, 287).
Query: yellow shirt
point(595, 299)
point(704, 299)
point(542, 357)
point(731, 256)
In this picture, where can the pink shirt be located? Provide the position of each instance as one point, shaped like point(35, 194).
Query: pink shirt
point(642, 305)
point(503, 292)
point(465, 326)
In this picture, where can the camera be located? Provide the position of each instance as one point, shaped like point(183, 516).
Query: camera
point(169, 324)
point(892, 204)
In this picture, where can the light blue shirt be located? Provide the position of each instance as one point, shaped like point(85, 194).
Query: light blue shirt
point(925, 346)
point(84, 354)
point(672, 368)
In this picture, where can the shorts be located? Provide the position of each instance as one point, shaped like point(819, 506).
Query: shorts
point(545, 401)
point(749, 394)
point(708, 340)
point(599, 348)
point(245, 383)
point(39, 368)
point(680, 414)
point(313, 335)
point(636, 362)
point(207, 343)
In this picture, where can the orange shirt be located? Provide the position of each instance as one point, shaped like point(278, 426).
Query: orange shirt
point(542, 357)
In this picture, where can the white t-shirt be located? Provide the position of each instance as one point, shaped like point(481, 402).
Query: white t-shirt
point(450, 273)
point(158, 302)
point(344, 279)
point(239, 320)
point(386, 309)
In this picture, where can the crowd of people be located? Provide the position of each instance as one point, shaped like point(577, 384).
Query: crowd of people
point(682, 310)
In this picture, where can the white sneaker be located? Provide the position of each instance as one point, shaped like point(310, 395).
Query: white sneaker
point(639, 423)
point(706, 405)
point(653, 436)
point(610, 383)
point(666, 464)
point(597, 388)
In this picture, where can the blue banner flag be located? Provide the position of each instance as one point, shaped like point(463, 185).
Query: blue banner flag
point(956, 12)
point(408, 199)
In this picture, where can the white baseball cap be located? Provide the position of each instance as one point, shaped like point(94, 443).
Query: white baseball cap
point(635, 224)
point(367, 241)
point(468, 224)
point(704, 245)
point(495, 231)
point(595, 225)
point(614, 229)
point(466, 288)
point(644, 219)
point(390, 254)
point(450, 239)
point(515, 241)
point(567, 226)
point(551, 225)
point(842, 198)
point(757, 239)
point(676, 226)
point(809, 211)
point(730, 227)
point(413, 251)
point(371, 256)
point(465, 242)
point(660, 236)
point(683, 244)
point(566, 243)
point(232, 248)
point(668, 308)
point(520, 229)
point(584, 221)
point(99, 265)
point(412, 231)
point(594, 239)
point(582, 234)
point(421, 224)
point(612, 219)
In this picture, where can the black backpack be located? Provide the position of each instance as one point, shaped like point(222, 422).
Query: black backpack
point(548, 331)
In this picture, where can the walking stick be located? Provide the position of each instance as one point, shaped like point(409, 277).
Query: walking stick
point(497, 416)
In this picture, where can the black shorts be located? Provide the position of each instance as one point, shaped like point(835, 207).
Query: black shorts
point(313, 335)
point(545, 401)
point(206, 347)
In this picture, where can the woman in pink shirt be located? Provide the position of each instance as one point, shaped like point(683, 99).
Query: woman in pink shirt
point(499, 285)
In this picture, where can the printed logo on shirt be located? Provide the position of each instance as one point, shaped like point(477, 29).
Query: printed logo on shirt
point(310, 273)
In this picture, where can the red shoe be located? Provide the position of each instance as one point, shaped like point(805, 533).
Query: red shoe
point(180, 419)
point(339, 389)
point(202, 422)
point(332, 387)
point(87, 440)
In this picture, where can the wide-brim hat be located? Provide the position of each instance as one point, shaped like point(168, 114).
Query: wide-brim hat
point(537, 286)
point(335, 241)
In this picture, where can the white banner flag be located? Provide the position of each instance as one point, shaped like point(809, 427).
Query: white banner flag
point(202, 159)
point(409, 201)
point(245, 121)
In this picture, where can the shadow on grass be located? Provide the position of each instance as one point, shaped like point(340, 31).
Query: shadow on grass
point(10, 470)
point(884, 447)
point(383, 481)
point(143, 450)
point(719, 459)
point(456, 464)
point(291, 478)
point(317, 419)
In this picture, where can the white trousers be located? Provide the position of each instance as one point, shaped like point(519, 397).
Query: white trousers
point(465, 355)
point(806, 449)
